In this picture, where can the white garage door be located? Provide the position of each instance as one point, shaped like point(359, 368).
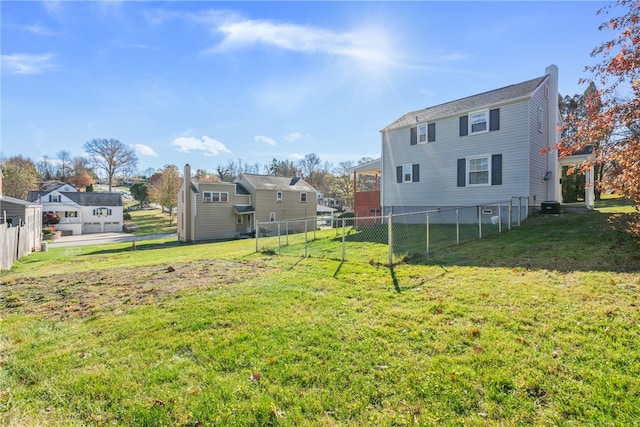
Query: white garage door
point(112, 227)
point(92, 227)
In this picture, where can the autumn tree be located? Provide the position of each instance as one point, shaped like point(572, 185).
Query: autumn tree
point(111, 156)
point(612, 114)
point(343, 182)
point(165, 190)
point(20, 176)
point(80, 174)
point(315, 173)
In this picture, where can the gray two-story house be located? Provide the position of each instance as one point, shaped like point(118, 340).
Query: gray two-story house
point(480, 149)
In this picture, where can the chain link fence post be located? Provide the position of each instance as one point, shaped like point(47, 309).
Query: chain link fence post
point(427, 233)
point(257, 234)
point(390, 238)
point(279, 245)
point(479, 222)
point(306, 240)
point(510, 213)
point(457, 226)
point(344, 246)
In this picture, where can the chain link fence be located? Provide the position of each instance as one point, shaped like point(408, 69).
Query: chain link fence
point(391, 238)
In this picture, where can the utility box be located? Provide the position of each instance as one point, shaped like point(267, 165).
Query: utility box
point(550, 207)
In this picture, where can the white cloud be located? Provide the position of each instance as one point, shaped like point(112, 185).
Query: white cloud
point(24, 63)
point(292, 137)
point(364, 44)
point(209, 146)
point(265, 140)
point(144, 150)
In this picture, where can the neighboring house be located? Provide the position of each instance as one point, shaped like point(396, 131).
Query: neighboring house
point(222, 210)
point(81, 212)
point(481, 149)
point(16, 213)
point(366, 197)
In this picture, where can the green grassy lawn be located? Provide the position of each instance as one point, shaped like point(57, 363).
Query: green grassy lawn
point(152, 221)
point(536, 326)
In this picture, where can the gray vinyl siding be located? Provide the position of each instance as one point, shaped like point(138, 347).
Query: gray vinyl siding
point(538, 187)
point(438, 161)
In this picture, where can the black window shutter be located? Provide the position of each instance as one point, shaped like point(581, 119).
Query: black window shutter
point(399, 174)
point(494, 119)
point(431, 132)
point(414, 136)
point(462, 172)
point(464, 125)
point(496, 169)
point(415, 175)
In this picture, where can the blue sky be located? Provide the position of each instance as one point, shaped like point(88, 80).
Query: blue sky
point(207, 82)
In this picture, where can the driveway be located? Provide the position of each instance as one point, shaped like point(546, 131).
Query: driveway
point(99, 238)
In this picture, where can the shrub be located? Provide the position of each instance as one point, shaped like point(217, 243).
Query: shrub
point(126, 216)
point(50, 218)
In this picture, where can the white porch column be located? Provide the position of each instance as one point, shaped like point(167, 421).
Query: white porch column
point(589, 194)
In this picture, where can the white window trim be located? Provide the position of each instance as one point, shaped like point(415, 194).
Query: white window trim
point(305, 197)
point(279, 196)
point(468, 170)
point(221, 195)
point(404, 173)
point(424, 134)
point(272, 216)
point(486, 115)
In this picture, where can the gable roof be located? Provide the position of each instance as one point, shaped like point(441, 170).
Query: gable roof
point(270, 182)
point(83, 198)
point(474, 102)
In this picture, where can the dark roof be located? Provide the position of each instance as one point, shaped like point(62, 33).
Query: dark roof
point(270, 182)
point(244, 209)
point(83, 198)
point(586, 150)
point(241, 190)
point(470, 103)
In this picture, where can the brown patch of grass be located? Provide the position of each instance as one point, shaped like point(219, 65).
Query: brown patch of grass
point(73, 295)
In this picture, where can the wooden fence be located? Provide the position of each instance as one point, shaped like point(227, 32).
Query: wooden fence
point(15, 243)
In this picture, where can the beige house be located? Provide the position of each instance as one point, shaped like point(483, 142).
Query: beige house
point(224, 210)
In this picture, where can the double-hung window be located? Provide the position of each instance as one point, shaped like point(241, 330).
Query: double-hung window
point(423, 133)
point(303, 197)
point(408, 173)
point(279, 196)
point(478, 170)
point(478, 121)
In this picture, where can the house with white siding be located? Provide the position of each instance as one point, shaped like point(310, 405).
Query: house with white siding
point(81, 212)
point(480, 149)
point(224, 210)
